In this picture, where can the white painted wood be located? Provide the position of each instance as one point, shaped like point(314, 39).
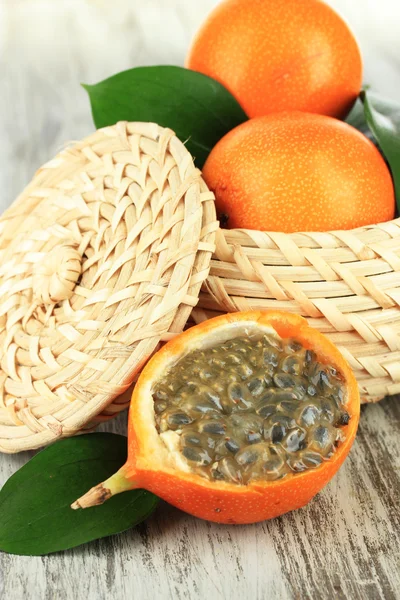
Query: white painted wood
point(346, 543)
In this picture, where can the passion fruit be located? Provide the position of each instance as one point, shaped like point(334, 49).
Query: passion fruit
point(239, 419)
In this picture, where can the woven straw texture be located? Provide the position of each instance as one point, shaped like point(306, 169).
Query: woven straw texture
point(347, 284)
point(101, 258)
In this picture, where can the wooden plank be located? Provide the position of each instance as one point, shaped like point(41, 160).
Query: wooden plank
point(344, 544)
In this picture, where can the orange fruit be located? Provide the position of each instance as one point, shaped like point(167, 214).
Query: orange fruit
point(299, 172)
point(280, 55)
point(160, 466)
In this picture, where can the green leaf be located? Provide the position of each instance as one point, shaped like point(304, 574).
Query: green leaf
point(383, 119)
point(36, 517)
point(357, 116)
point(199, 109)
point(357, 119)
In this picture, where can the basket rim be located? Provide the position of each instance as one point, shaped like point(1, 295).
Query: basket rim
point(345, 282)
point(150, 176)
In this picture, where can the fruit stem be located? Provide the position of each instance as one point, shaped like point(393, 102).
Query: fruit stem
point(117, 483)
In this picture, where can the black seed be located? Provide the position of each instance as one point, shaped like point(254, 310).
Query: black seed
point(321, 438)
point(284, 380)
point(209, 394)
point(214, 427)
point(255, 386)
point(337, 393)
point(196, 455)
point(178, 418)
point(190, 439)
point(235, 392)
point(160, 406)
point(327, 410)
point(293, 346)
point(271, 469)
point(239, 396)
point(309, 415)
point(270, 357)
point(274, 462)
point(217, 475)
point(228, 467)
point(277, 433)
point(291, 365)
point(285, 396)
point(245, 423)
point(344, 419)
point(310, 356)
point(161, 394)
point(247, 456)
point(295, 386)
point(321, 434)
point(232, 446)
point(268, 396)
point(312, 459)
point(265, 410)
point(201, 406)
point(296, 464)
point(286, 420)
point(325, 382)
point(315, 373)
point(289, 406)
point(294, 440)
point(220, 449)
point(254, 437)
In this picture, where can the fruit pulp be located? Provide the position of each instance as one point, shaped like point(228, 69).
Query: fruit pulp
point(251, 408)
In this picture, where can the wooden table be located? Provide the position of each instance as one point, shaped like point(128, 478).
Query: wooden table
point(346, 543)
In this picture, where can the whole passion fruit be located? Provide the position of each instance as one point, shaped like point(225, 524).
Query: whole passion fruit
point(239, 419)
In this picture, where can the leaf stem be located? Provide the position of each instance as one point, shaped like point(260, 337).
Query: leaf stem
point(117, 483)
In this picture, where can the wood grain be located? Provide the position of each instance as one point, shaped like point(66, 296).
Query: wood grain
point(346, 543)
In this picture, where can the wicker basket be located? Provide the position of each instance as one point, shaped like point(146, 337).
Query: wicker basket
point(347, 283)
point(101, 258)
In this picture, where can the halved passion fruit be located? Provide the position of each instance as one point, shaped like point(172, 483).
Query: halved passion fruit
point(239, 419)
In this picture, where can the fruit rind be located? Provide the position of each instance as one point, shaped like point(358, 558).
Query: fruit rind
point(149, 467)
point(235, 503)
point(297, 171)
point(276, 55)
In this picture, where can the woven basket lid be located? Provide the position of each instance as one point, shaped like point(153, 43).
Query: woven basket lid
point(101, 258)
